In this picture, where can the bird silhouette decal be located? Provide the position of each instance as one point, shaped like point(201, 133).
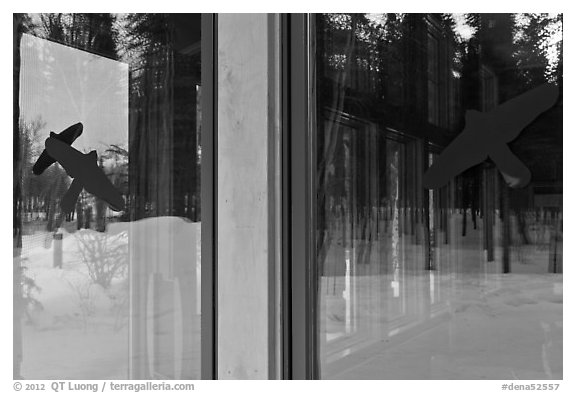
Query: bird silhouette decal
point(68, 136)
point(83, 168)
point(488, 134)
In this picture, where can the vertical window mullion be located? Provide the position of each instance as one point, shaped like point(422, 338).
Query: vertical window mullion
point(303, 296)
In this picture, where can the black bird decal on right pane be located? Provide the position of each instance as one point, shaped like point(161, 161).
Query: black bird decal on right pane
point(488, 134)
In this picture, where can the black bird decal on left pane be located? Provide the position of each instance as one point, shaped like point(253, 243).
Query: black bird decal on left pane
point(83, 168)
point(68, 136)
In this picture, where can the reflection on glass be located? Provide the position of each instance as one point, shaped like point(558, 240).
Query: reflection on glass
point(108, 294)
point(462, 282)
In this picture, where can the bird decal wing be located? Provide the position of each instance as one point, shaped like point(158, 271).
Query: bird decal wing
point(68, 136)
point(487, 134)
point(86, 173)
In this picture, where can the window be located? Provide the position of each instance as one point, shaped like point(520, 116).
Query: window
point(415, 283)
point(105, 290)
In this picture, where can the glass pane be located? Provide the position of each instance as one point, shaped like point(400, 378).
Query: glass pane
point(107, 219)
point(458, 281)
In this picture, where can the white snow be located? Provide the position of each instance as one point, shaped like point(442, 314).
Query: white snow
point(82, 330)
point(385, 317)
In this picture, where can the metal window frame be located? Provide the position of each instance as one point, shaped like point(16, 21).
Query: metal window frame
point(300, 278)
point(208, 193)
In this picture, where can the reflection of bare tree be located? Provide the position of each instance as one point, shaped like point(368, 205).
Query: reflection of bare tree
point(120, 300)
point(116, 168)
point(40, 194)
point(85, 300)
point(362, 57)
point(90, 32)
point(30, 146)
point(164, 116)
point(29, 291)
point(329, 139)
point(105, 255)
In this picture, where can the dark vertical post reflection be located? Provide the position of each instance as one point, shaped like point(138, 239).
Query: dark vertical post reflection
point(506, 263)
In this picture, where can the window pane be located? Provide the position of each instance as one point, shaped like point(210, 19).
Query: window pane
point(462, 281)
point(109, 289)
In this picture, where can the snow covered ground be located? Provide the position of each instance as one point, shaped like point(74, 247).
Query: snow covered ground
point(384, 317)
point(445, 327)
point(79, 329)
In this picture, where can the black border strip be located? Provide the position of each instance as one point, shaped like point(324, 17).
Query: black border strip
point(286, 201)
point(209, 190)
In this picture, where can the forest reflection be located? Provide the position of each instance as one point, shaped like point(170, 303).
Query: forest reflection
point(415, 283)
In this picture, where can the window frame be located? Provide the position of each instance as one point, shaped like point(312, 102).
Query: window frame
point(208, 193)
point(299, 287)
